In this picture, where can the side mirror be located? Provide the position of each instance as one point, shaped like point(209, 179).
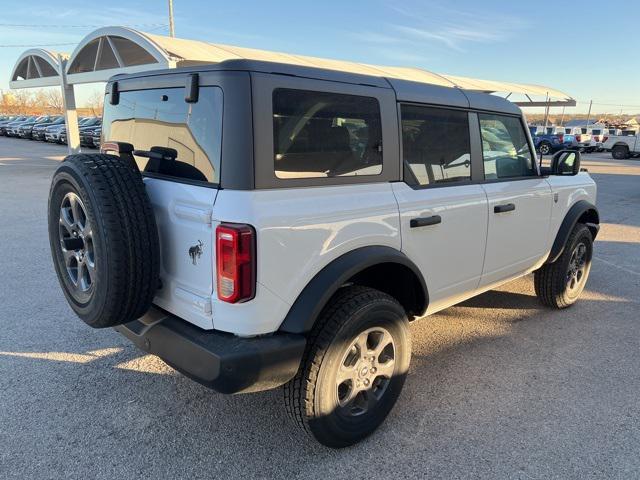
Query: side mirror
point(565, 162)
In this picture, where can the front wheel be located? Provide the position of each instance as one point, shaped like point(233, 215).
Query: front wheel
point(545, 148)
point(354, 367)
point(559, 284)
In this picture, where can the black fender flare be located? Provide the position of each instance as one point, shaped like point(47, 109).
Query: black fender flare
point(305, 310)
point(574, 214)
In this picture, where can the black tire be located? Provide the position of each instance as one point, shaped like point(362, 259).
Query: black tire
point(559, 284)
point(111, 275)
point(620, 152)
point(312, 398)
point(544, 148)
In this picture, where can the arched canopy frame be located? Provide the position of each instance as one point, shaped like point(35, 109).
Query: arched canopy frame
point(37, 68)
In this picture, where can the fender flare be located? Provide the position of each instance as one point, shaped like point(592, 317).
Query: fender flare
point(306, 309)
point(576, 211)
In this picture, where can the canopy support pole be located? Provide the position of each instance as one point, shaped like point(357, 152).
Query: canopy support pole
point(70, 113)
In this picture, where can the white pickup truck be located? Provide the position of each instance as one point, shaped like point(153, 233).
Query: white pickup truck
point(622, 146)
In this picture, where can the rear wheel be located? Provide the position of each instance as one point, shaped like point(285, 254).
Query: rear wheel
point(559, 284)
point(354, 367)
point(620, 152)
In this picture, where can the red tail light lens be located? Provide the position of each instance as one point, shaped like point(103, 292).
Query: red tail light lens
point(561, 137)
point(235, 262)
point(578, 137)
point(604, 139)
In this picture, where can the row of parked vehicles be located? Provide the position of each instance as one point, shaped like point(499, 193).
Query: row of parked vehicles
point(554, 138)
point(50, 128)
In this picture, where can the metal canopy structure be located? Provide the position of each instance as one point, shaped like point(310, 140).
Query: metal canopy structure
point(37, 68)
point(117, 50)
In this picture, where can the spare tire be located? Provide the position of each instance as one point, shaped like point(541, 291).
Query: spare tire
point(103, 238)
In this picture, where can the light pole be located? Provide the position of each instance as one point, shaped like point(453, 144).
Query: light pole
point(172, 32)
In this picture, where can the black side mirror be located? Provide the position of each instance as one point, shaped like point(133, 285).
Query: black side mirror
point(565, 162)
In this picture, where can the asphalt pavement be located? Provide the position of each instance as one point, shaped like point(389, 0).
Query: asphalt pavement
point(499, 386)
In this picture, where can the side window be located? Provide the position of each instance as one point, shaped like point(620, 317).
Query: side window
point(321, 134)
point(435, 145)
point(505, 148)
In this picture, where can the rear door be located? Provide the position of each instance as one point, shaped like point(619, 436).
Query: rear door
point(443, 214)
point(520, 202)
point(183, 191)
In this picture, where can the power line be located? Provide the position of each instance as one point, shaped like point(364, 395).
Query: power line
point(25, 25)
point(38, 45)
point(156, 26)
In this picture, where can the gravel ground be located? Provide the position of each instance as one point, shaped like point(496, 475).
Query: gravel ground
point(499, 387)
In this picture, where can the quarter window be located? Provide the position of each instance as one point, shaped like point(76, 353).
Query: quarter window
point(505, 148)
point(435, 145)
point(320, 134)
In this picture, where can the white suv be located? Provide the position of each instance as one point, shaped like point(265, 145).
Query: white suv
point(259, 224)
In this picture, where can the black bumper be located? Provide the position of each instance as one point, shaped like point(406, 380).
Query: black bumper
point(221, 361)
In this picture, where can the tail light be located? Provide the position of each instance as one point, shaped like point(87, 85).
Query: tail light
point(235, 262)
point(578, 137)
point(604, 139)
point(561, 137)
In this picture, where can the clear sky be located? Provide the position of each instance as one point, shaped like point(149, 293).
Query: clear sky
point(576, 48)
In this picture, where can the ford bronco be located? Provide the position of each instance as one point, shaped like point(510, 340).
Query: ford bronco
point(259, 224)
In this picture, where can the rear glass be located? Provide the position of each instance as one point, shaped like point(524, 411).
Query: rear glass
point(162, 118)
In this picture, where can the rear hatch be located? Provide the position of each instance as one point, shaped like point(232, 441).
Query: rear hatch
point(182, 191)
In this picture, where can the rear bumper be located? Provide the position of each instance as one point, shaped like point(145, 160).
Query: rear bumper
point(220, 361)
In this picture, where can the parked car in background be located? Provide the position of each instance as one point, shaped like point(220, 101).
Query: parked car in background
point(26, 128)
point(583, 138)
point(597, 138)
point(86, 136)
point(52, 132)
point(7, 121)
point(83, 123)
point(10, 128)
point(95, 137)
point(551, 142)
point(39, 131)
point(622, 146)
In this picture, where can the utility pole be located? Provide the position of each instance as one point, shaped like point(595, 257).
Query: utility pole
point(546, 113)
point(172, 31)
point(562, 118)
point(589, 113)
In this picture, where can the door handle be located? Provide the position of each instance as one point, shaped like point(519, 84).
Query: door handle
point(425, 221)
point(507, 207)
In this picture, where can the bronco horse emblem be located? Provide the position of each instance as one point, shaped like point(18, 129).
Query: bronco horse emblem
point(195, 252)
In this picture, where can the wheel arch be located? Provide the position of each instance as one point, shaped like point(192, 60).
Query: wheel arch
point(380, 267)
point(580, 212)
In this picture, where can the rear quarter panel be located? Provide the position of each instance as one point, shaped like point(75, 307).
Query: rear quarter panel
point(299, 232)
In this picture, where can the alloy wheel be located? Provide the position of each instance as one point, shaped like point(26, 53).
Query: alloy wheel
point(76, 243)
point(365, 371)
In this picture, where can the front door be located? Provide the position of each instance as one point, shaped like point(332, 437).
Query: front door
point(443, 214)
point(519, 200)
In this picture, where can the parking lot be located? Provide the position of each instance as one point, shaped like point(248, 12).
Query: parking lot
point(499, 387)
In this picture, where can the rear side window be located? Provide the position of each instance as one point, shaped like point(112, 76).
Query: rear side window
point(435, 145)
point(161, 117)
point(321, 134)
point(505, 148)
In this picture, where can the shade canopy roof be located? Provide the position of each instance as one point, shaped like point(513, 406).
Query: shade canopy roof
point(37, 68)
point(115, 50)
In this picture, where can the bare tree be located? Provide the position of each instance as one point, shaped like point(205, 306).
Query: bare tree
point(53, 100)
point(96, 103)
